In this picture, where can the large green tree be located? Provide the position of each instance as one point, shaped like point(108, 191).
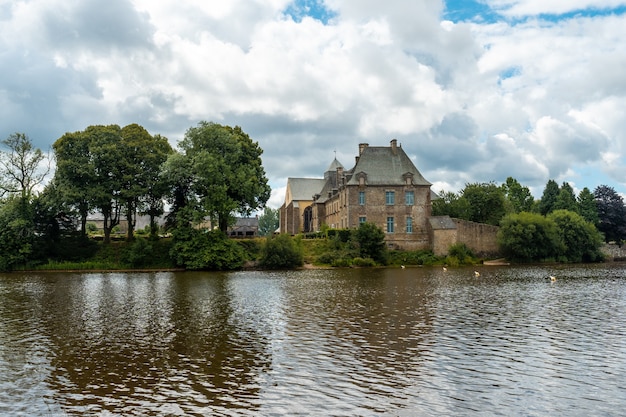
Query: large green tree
point(587, 206)
point(518, 197)
point(225, 172)
point(611, 213)
point(566, 199)
point(141, 186)
point(74, 178)
point(450, 204)
point(486, 202)
point(549, 197)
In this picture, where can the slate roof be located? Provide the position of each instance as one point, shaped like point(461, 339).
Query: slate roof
point(303, 189)
point(442, 223)
point(384, 166)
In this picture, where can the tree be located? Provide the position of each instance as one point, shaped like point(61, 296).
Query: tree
point(450, 204)
point(529, 237)
point(549, 197)
point(152, 202)
point(371, 241)
point(140, 167)
point(486, 202)
point(17, 234)
point(587, 206)
point(611, 213)
point(226, 172)
point(518, 197)
point(20, 167)
point(268, 221)
point(566, 199)
point(74, 177)
point(580, 241)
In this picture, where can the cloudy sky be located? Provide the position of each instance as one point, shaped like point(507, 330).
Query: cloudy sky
point(474, 90)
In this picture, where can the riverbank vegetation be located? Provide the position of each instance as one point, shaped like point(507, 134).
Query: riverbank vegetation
point(120, 172)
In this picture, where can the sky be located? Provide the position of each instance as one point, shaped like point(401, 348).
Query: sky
point(473, 90)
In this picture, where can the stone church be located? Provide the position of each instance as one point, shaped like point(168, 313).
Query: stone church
point(385, 188)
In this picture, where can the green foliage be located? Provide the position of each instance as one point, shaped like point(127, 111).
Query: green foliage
point(611, 214)
point(486, 203)
point(518, 197)
point(549, 197)
point(451, 204)
point(587, 206)
point(222, 170)
point(281, 252)
point(139, 253)
point(580, 241)
point(566, 199)
point(371, 242)
point(199, 249)
point(529, 236)
point(363, 262)
point(17, 233)
point(460, 251)
point(268, 221)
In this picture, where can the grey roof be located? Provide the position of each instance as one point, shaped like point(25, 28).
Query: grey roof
point(303, 189)
point(442, 223)
point(383, 166)
point(334, 165)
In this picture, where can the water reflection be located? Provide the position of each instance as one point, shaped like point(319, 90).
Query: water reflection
point(415, 341)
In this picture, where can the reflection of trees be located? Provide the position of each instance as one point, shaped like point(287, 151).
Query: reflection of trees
point(124, 343)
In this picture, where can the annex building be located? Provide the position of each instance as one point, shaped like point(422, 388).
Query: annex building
point(385, 188)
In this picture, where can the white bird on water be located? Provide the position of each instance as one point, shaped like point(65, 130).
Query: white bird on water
point(402, 266)
point(552, 278)
point(445, 269)
point(476, 273)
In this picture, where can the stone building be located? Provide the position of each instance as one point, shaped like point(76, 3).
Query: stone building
point(384, 187)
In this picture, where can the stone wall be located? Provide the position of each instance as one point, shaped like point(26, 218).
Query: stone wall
point(614, 252)
point(480, 238)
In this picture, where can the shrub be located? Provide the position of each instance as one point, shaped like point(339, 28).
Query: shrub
point(363, 262)
point(371, 241)
point(201, 249)
point(281, 252)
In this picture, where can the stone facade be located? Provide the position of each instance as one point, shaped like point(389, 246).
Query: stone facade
point(385, 188)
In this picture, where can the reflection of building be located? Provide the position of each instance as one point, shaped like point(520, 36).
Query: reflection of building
point(385, 188)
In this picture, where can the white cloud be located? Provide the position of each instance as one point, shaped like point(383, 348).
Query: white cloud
point(534, 99)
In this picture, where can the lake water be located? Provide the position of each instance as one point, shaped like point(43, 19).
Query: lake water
point(393, 342)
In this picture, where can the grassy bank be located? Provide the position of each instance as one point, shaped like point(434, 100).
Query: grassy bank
point(144, 254)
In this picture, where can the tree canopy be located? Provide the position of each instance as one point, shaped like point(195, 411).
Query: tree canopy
point(221, 168)
point(611, 213)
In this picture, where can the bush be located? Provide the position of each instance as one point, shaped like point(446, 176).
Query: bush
point(371, 242)
point(139, 253)
point(201, 249)
point(281, 252)
point(363, 262)
point(529, 237)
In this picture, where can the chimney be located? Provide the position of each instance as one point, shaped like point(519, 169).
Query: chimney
point(362, 146)
point(339, 175)
point(394, 145)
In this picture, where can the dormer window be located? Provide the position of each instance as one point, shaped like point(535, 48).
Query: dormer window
point(408, 178)
point(362, 177)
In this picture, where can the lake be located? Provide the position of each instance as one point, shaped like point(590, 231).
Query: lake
point(392, 342)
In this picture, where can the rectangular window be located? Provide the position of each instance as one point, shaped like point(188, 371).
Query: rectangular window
point(409, 198)
point(362, 219)
point(389, 224)
point(409, 225)
point(390, 198)
point(361, 198)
